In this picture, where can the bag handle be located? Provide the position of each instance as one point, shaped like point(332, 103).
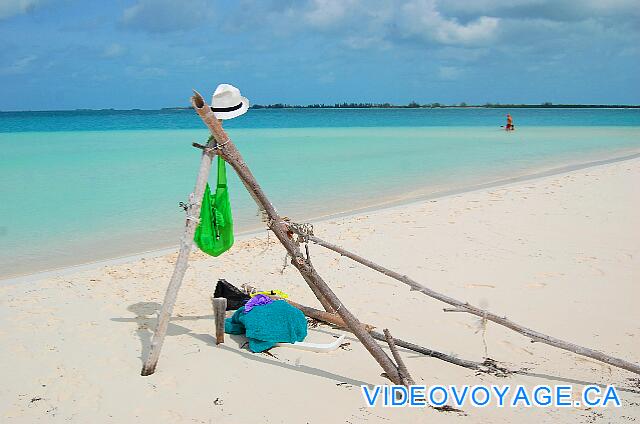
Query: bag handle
point(222, 173)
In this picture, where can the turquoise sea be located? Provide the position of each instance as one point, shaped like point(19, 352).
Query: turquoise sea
point(83, 186)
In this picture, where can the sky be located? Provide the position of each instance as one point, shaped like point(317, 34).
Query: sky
point(149, 54)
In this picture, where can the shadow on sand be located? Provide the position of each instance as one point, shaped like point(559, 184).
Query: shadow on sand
point(519, 372)
point(146, 319)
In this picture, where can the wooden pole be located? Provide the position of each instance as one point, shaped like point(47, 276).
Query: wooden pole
point(193, 217)
point(402, 368)
point(322, 291)
point(459, 306)
point(333, 319)
point(219, 314)
point(338, 322)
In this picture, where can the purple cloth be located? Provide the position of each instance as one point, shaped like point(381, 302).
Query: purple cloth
point(257, 300)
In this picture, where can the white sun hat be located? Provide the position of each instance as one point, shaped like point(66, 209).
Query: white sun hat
point(227, 103)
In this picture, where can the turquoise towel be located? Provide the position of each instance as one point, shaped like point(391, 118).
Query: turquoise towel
point(266, 325)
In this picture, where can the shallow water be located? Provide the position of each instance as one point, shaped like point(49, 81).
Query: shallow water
point(72, 195)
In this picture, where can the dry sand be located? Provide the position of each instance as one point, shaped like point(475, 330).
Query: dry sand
point(560, 254)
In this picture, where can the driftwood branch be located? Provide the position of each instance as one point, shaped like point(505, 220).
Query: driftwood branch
point(322, 291)
point(435, 354)
point(474, 310)
point(336, 321)
point(219, 314)
point(407, 380)
point(193, 216)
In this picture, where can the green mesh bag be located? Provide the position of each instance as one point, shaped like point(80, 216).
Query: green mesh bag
point(214, 234)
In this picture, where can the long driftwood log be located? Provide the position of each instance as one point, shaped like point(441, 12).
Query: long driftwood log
point(193, 216)
point(226, 148)
point(336, 321)
point(459, 306)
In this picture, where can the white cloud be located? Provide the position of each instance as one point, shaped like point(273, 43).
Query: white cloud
point(131, 13)
point(9, 8)
point(20, 66)
point(113, 50)
point(361, 23)
point(325, 13)
point(358, 42)
point(475, 28)
point(461, 54)
point(167, 15)
point(149, 72)
point(557, 10)
point(423, 19)
point(479, 31)
point(449, 73)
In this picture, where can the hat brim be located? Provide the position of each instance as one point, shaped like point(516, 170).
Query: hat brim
point(234, 113)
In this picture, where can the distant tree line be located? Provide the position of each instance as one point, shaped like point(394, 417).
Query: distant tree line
point(559, 106)
point(346, 105)
point(415, 105)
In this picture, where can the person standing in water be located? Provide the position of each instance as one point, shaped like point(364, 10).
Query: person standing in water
point(509, 126)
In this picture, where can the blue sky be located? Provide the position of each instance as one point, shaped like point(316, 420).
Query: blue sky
point(66, 54)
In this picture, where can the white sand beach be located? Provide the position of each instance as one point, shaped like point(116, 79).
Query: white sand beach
point(559, 254)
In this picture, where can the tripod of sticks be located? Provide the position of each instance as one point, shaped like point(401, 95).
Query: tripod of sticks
point(336, 312)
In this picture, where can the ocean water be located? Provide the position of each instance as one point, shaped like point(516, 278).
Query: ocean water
point(82, 186)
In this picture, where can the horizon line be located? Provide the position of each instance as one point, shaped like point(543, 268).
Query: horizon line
point(368, 105)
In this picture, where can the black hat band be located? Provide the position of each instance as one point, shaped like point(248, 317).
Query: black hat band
point(226, 109)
